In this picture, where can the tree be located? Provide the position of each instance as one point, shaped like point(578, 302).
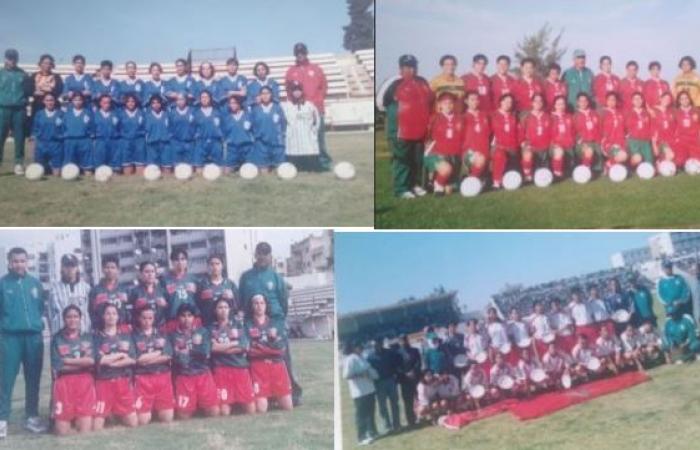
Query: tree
point(359, 34)
point(541, 48)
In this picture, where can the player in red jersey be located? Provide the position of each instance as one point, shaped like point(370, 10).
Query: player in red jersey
point(535, 132)
point(477, 132)
point(663, 131)
point(613, 143)
point(563, 136)
point(687, 128)
point(553, 86)
point(655, 87)
point(525, 87)
point(638, 125)
point(588, 133)
point(605, 82)
point(630, 84)
point(478, 81)
point(504, 148)
point(442, 155)
point(502, 82)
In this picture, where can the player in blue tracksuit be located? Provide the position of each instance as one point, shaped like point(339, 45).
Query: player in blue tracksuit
point(236, 125)
point(262, 79)
point(78, 131)
point(78, 81)
point(157, 135)
point(154, 86)
point(269, 127)
point(206, 82)
point(105, 84)
point(181, 83)
point(207, 139)
point(131, 85)
point(133, 147)
point(230, 84)
point(182, 130)
point(47, 133)
point(107, 145)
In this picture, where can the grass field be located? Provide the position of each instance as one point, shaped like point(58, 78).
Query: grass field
point(309, 427)
point(308, 200)
point(635, 203)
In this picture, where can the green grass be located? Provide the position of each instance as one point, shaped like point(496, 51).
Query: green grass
point(635, 203)
point(309, 427)
point(308, 200)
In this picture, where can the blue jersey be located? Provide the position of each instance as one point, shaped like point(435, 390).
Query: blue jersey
point(78, 124)
point(48, 126)
point(237, 128)
point(156, 127)
point(180, 85)
point(228, 84)
point(110, 88)
point(73, 83)
point(182, 125)
point(207, 126)
point(151, 88)
point(106, 125)
point(255, 85)
point(132, 124)
point(129, 86)
point(211, 85)
point(269, 124)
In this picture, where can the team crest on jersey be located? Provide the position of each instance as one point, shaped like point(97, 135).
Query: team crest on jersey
point(105, 348)
point(141, 345)
point(275, 117)
point(270, 285)
point(140, 120)
point(190, 286)
point(58, 121)
point(63, 350)
point(86, 119)
point(246, 125)
point(207, 294)
point(115, 120)
point(35, 292)
point(160, 342)
point(138, 87)
point(124, 346)
point(216, 121)
point(311, 73)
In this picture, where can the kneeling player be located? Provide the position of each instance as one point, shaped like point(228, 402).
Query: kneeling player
point(563, 136)
point(72, 363)
point(268, 341)
point(499, 371)
point(556, 365)
point(613, 142)
point(663, 125)
point(441, 158)
point(588, 132)
point(638, 124)
point(426, 397)
point(153, 385)
point(194, 385)
point(476, 136)
point(504, 149)
point(608, 350)
point(582, 354)
point(651, 342)
point(448, 393)
point(680, 337)
point(474, 377)
point(230, 360)
point(631, 348)
point(536, 134)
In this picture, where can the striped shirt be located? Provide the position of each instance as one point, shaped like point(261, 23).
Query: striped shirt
point(63, 294)
point(302, 128)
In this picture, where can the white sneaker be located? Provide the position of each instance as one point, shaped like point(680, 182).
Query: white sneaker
point(407, 194)
point(419, 191)
point(19, 169)
point(35, 425)
point(3, 429)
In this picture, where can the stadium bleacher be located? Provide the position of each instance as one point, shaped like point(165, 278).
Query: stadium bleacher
point(311, 306)
point(366, 58)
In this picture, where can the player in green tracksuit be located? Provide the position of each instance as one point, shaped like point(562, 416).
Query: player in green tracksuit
point(15, 87)
point(21, 343)
point(642, 302)
point(680, 337)
point(673, 291)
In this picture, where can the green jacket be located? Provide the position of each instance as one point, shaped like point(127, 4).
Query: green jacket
point(15, 87)
point(270, 284)
point(21, 304)
point(577, 81)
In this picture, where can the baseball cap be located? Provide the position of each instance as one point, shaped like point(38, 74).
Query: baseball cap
point(578, 53)
point(300, 47)
point(408, 60)
point(11, 54)
point(263, 248)
point(666, 263)
point(69, 260)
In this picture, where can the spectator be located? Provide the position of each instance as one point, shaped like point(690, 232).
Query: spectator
point(387, 364)
point(408, 377)
point(360, 375)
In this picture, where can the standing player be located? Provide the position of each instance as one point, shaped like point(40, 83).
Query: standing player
point(77, 82)
point(588, 133)
point(133, 147)
point(605, 82)
point(269, 126)
point(536, 137)
point(261, 73)
point(526, 87)
point(72, 365)
point(114, 358)
point(582, 316)
point(553, 86)
point(181, 83)
point(47, 134)
point(502, 82)
point(504, 146)
point(563, 325)
point(477, 131)
point(630, 85)
point(643, 302)
point(236, 127)
point(655, 87)
point(214, 287)
point(688, 80)
point(153, 386)
point(105, 84)
point(157, 136)
point(194, 385)
point(687, 127)
point(663, 128)
point(180, 286)
point(154, 86)
point(206, 83)
point(110, 292)
point(673, 291)
point(638, 126)
point(69, 289)
point(441, 160)
point(148, 292)
point(182, 128)
point(578, 79)
point(131, 85)
point(229, 348)
point(563, 137)
point(478, 81)
point(78, 133)
point(232, 84)
point(208, 146)
point(107, 146)
point(613, 142)
point(447, 81)
point(14, 92)
point(541, 329)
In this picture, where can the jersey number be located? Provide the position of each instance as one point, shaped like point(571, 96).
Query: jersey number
point(183, 401)
point(100, 407)
point(59, 409)
point(223, 394)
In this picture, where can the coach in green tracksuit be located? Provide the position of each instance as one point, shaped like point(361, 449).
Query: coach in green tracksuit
point(15, 87)
point(578, 78)
point(673, 291)
point(21, 341)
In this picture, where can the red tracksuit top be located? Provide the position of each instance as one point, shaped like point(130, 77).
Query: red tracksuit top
point(613, 129)
point(505, 130)
point(562, 130)
point(477, 132)
point(587, 125)
point(638, 124)
point(536, 131)
point(602, 84)
point(501, 86)
point(654, 89)
point(481, 85)
point(627, 88)
point(415, 98)
point(313, 82)
point(524, 90)
point(552, 90)
point(663, 126)
point(448, 134)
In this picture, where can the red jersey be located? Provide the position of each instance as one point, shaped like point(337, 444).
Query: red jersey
point(663, 126)
point(587, 126)
point(536, 130)
point(501, 85)
point(627, 89)
point(638, 124)
point(448, 134)
point(481, 85)
point(505, 130)
point(562, 129)
point(414, 98)
point(602, 85)
point(687, 125)
point(613, 129)
point(524, 90)
point(477, 132)
point(654, 88)
point(312, 80)
point(552, 90)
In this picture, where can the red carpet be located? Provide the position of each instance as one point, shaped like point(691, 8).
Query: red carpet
point(459, 420)
point(545, 404)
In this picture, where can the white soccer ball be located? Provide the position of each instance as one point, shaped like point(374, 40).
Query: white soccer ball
point(183, 171)
point(211, 172)
point(645, 171)
point(667, 168)
point(151, 172)
point(582, 174)
point(70, 172)
point(692, 166)
point(286, 171)
point(543, 177)
point(470, 187)
point(34, 171)
point(103, 173)
point(512, 180)
point(248, 171)
point(344, 170)
point(617, 173)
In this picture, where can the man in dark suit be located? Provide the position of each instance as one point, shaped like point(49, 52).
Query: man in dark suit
point(409, 375)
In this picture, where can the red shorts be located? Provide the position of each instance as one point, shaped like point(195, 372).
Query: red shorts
point(73, 396)
point(233, 385)
point(270, 378)
point(114, 396)
point(153, 391)
point(193, 391)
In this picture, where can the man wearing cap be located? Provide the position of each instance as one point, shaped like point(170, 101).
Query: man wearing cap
point(15, 88)
point(315, 87)
point(673, 291)
point(69, 290)
point(408, 103)
point(578, 78)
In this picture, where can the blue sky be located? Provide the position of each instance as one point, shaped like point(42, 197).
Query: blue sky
point(644, 30)
point(378, 268)
point(148, 30)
